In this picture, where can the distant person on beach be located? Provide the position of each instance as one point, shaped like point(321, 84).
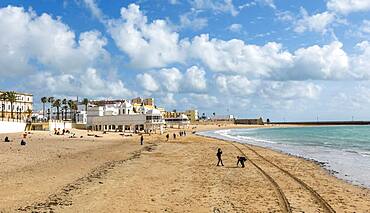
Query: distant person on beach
point(219, 154)
point(141, 139)
point(174, 135)
point(6, 139)
point(23, 143)
point(241, 160)
point(168, 136)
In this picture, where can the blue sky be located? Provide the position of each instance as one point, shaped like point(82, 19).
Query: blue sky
point(283, 60)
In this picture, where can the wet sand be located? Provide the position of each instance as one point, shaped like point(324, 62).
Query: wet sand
point(115, 174)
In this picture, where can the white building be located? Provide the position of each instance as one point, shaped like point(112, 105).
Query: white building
point(21, 108)
point(152, 121)
point(121, 115)
point(181, 121)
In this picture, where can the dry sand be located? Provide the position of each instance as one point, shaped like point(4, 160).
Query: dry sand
point(115, 174)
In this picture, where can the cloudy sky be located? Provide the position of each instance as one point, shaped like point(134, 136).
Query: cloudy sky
point(279, 59)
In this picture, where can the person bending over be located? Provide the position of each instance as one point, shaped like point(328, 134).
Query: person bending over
point(241, 160)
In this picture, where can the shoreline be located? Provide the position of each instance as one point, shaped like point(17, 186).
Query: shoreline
point(113, 173)
point(322, 164)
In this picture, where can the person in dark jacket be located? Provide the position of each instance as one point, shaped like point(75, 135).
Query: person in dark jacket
point(219, 155)
point(241, 160)
point(23, 143)
point(141, 139)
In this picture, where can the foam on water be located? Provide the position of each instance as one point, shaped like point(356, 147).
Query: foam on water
point(344, 149)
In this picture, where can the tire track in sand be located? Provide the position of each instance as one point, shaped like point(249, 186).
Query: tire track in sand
point(321, 201)
point(283, 201)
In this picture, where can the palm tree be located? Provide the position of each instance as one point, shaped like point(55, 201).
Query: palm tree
point(51, 101)
point(65, 107)
point(11, 97)
point(43, 100)
point(3, 98)
point(29, 112)
point(85, 101)
point(57, 104)
point(64, 102)
point(71, 105)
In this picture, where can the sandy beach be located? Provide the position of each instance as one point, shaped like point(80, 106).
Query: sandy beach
point(114, 173)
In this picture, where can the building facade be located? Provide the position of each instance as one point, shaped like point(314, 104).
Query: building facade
point(181, 121)
point(191, 114)
point(122, 115)
point(21, 109)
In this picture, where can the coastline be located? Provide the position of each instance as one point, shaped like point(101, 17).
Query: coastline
point(342, 173)
point(114, 174)
point(317, 162)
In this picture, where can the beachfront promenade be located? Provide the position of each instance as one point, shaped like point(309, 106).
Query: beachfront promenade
point(114, 173)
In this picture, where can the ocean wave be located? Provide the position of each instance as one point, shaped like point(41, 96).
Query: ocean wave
point(349, 156)
point(242, 138)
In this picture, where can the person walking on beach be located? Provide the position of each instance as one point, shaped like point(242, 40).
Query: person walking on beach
point(168, 136)
point(219, 154)
point(174, 135)
point(141, 139)
point(241, 160)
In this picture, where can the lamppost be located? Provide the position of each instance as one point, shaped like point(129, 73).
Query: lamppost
point(2, 111)
point(17, 113)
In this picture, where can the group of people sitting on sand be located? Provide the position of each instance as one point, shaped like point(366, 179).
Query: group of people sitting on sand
point(57, 131)
point(241, 159)
point(7, 140)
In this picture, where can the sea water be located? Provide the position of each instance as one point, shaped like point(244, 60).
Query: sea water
point(343, 149)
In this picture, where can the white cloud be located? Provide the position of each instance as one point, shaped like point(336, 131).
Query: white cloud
point(171, 80)
point(237, 57)
point(149, 45)
point(290, 90)
point(247, 5)
point(95, 10)
point(28, 40)
point(203, 100)
point(315, 62)
point(360, 62)
point(269, 3)
point(191, 20)
point(236, 28)
point(173, 1)
point(195, 77)
point(317, 23)
point(235, 85)
point(89, 84)
point(46, 55)
point(168, 100)
point(147, 82)
point(348, 6)
point(285, 16)
point(224, 6)
point(365, 27)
